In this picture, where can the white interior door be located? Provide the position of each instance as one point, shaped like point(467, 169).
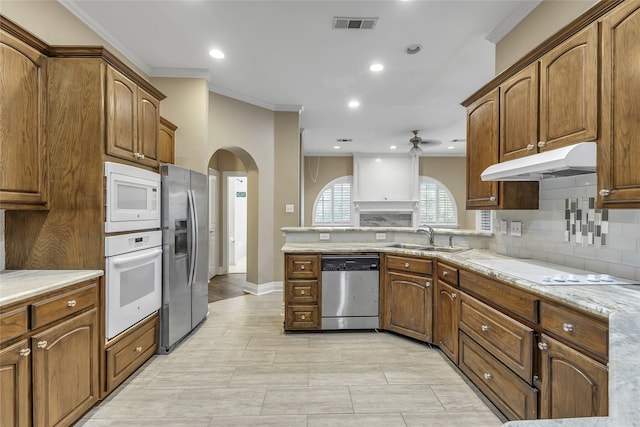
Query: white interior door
point(213, 223)
point(235, 222)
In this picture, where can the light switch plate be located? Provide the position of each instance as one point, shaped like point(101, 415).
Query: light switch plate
point(288, 208)
point(381, 236)
point(325, 236)
point(516, 228)
point(504, 226)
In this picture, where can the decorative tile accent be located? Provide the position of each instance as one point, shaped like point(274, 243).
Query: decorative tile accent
point(385, 219)
point(585, 225)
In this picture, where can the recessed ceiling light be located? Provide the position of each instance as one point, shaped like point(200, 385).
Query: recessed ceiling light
point(412, 49)
point(393, 147)
point(336, 147)
point(378, 160)
point(354, 103)
point(216, 53)
point(376, 67)
point(451, 147)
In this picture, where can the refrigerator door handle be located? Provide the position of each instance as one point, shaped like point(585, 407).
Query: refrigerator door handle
point(194, 241)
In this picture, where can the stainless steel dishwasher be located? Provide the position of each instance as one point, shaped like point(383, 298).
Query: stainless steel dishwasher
point(350, 291)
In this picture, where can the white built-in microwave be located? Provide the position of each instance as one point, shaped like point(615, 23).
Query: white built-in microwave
point(132, 198)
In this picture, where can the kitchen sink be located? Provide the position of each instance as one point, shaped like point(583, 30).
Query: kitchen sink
point(425, 248)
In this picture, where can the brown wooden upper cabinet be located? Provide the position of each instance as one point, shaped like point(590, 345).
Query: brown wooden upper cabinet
point(519, 114)
point(166, 141)
point(569, 91)
point(619, 146)
point(482, 150)
point(24, 166)
point(133, 120)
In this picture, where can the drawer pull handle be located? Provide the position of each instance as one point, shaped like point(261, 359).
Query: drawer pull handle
point(454, 295)
point(71, 303)
point(484, 328)
point(492, 198)
point(445, 273)
point(530, 146)
point(541, 144)
point(487, 376)
point(302, 292)
point(567, 327)
point(303, 317)
point(302, 267)
point(138, 349)
point(406, 264)
point(604, 192)
point(543, 346)
point(25, 352)
point(41, 344)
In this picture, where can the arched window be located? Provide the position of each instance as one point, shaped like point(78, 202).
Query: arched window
point(437, 205)
point(333, 204)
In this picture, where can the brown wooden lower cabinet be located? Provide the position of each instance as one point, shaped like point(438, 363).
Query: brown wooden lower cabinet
point(302, 317)
point(571, 384)
point(446, 304)
point(516, 399)
point(126, 354)
point(409, 305)
point(15, 385)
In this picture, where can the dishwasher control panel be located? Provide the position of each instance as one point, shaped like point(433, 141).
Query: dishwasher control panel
point(350, 263)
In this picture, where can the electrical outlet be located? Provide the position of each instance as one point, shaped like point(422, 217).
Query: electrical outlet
point(516, 228)
point(504, 226)
point(381, 236)
point(325, 236)
point(288, 208)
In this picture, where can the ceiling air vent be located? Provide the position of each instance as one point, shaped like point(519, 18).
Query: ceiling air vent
point(340, 23)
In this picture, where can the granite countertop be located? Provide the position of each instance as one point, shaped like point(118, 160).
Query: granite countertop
point(619, 303)
point(16, 285)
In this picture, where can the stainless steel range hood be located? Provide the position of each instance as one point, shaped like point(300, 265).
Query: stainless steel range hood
point(575, 159)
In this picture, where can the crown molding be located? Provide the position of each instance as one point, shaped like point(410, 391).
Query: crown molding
point(509, 23)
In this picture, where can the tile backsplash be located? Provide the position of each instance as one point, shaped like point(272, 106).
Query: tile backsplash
point(568, 230)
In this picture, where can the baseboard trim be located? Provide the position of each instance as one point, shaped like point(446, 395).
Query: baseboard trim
point(262, 288)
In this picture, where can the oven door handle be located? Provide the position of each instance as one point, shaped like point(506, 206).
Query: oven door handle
point(137, 258)
point(194, 241)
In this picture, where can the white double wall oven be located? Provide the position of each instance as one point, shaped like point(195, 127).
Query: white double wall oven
point(133, 246)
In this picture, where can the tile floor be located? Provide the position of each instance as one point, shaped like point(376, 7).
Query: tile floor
point(239, 369)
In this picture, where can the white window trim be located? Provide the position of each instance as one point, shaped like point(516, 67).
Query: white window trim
point(428, 179)
point(340, 180)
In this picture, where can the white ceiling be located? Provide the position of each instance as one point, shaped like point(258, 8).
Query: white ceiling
point(284, 55)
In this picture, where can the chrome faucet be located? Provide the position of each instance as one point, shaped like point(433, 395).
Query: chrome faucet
point(427, 230)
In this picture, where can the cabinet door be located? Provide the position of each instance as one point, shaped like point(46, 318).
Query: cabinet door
point(408, 306)
point(15, 385)
point(519, 114)
point(571, 384)
point(24, 166)
point(122, 115)
point(446, 320)
point(148, 128)
point(65, 370)
point(166, 141)
point(482, 150)
point(569, 91)
point(619, 145)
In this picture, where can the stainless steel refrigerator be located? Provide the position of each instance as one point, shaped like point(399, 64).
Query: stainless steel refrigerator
point(185, 245)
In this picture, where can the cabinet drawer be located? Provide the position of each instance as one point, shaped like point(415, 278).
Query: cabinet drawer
point(411, 265)
point(514, 397)
point(13, 324)
point(131, 351)
point(52, 309)
point(302, 317)
point(514, 300)
point(508, 340)
point(302, 291)
point(303, 266)
point(588, 333)
point(448, 274)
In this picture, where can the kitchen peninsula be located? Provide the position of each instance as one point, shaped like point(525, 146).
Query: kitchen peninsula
point(523, 328)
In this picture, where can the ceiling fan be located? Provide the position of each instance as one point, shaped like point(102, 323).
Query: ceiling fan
point(416, 141)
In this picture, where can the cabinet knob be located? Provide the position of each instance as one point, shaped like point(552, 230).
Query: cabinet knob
point(484, 328)
point(487, 376)
point(454, 295)
point(71, 303)
point(138, 349)
point(541, 144)
point(141, 156)
point(302, 292)
point(428, 284)
point(406, 264)
point(25, 352)
point(567, 327)
point(492, 198)
point(136, 155)
point(604, 192)
point(42, 344)
point(445, 273)
point(303, 317)
point(302, 267)
point(530, 146)
point(543, 346)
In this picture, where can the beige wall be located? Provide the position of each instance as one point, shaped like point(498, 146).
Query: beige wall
point(448, 170)
point(544, 21)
